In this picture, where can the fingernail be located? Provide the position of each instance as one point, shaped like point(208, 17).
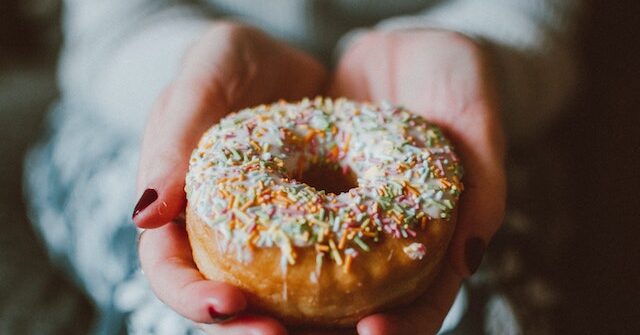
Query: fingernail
point(148, 197)
point(473, 252)
point(218, 317)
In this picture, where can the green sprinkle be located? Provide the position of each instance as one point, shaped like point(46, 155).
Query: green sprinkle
point(361, 244)
point(319, 258)
point(448, 203)
point(404, 233)
point(365, 223)
point(235, 153)
point(440, 205)
point(219, 219)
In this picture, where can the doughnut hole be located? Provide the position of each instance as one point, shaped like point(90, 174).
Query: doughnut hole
point(329, 178)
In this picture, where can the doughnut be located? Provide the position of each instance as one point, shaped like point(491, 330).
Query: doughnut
point(307, 255)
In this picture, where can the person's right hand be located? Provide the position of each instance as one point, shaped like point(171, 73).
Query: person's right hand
point(230, 67)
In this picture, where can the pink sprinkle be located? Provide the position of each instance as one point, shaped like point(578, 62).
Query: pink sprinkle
point(345, 169)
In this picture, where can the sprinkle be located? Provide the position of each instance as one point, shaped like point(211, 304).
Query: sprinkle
point(319, 257)
point(321, 248)
point(335, 253)
point(415, 251)
point(256, 203)
point(347, 263)
point(361, 244)
point(247, 205)
point(236, 154)
point(343, 241)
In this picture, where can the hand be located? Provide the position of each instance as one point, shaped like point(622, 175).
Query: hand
point(230, 67)
point(444, 77)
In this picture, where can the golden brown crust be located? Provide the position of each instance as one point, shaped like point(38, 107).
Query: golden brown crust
point(377, 280)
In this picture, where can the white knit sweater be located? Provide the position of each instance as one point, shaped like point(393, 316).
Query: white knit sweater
point(119, 54)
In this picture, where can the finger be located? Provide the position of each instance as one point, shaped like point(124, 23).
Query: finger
point(166, 260)
point(195, 100)
point(348, 85)
point(424, 316)
point(255, 69)
point(174, 127)
point(324, 332)
point(349, 80)
point(248, 324)
point(482, 203)
point(304, 76)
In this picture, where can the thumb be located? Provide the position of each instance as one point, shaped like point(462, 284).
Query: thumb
point(175, 125)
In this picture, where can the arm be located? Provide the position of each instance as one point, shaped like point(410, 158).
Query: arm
point(465, 66)
point(530, 49)
point(124, 58)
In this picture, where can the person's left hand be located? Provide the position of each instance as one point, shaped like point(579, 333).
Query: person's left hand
point(444, 77)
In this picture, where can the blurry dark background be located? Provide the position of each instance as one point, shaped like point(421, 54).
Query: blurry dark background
point(595, 149)
point(35, 298)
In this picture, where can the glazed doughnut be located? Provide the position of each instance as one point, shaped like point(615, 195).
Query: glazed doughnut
point(313, 257)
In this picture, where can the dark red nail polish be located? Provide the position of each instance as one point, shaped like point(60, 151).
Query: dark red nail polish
point(473, 252)
point(218, 317)
point(148, 197)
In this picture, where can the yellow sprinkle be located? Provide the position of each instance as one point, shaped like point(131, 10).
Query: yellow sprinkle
point(255, 145)
point(347, 141)
point(369, 234)
point(412, 190)
point(423, 222)
point(343, 241)
point(321, 247)
point(291, 258)
point(247, 205)
point(396, 219)
point(335, 253)
point(347, 263)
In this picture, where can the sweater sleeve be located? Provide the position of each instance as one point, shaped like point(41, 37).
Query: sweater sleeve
point(119, 54)
point(530, 44)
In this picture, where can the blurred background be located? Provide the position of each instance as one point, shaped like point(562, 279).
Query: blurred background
point(590, 163)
